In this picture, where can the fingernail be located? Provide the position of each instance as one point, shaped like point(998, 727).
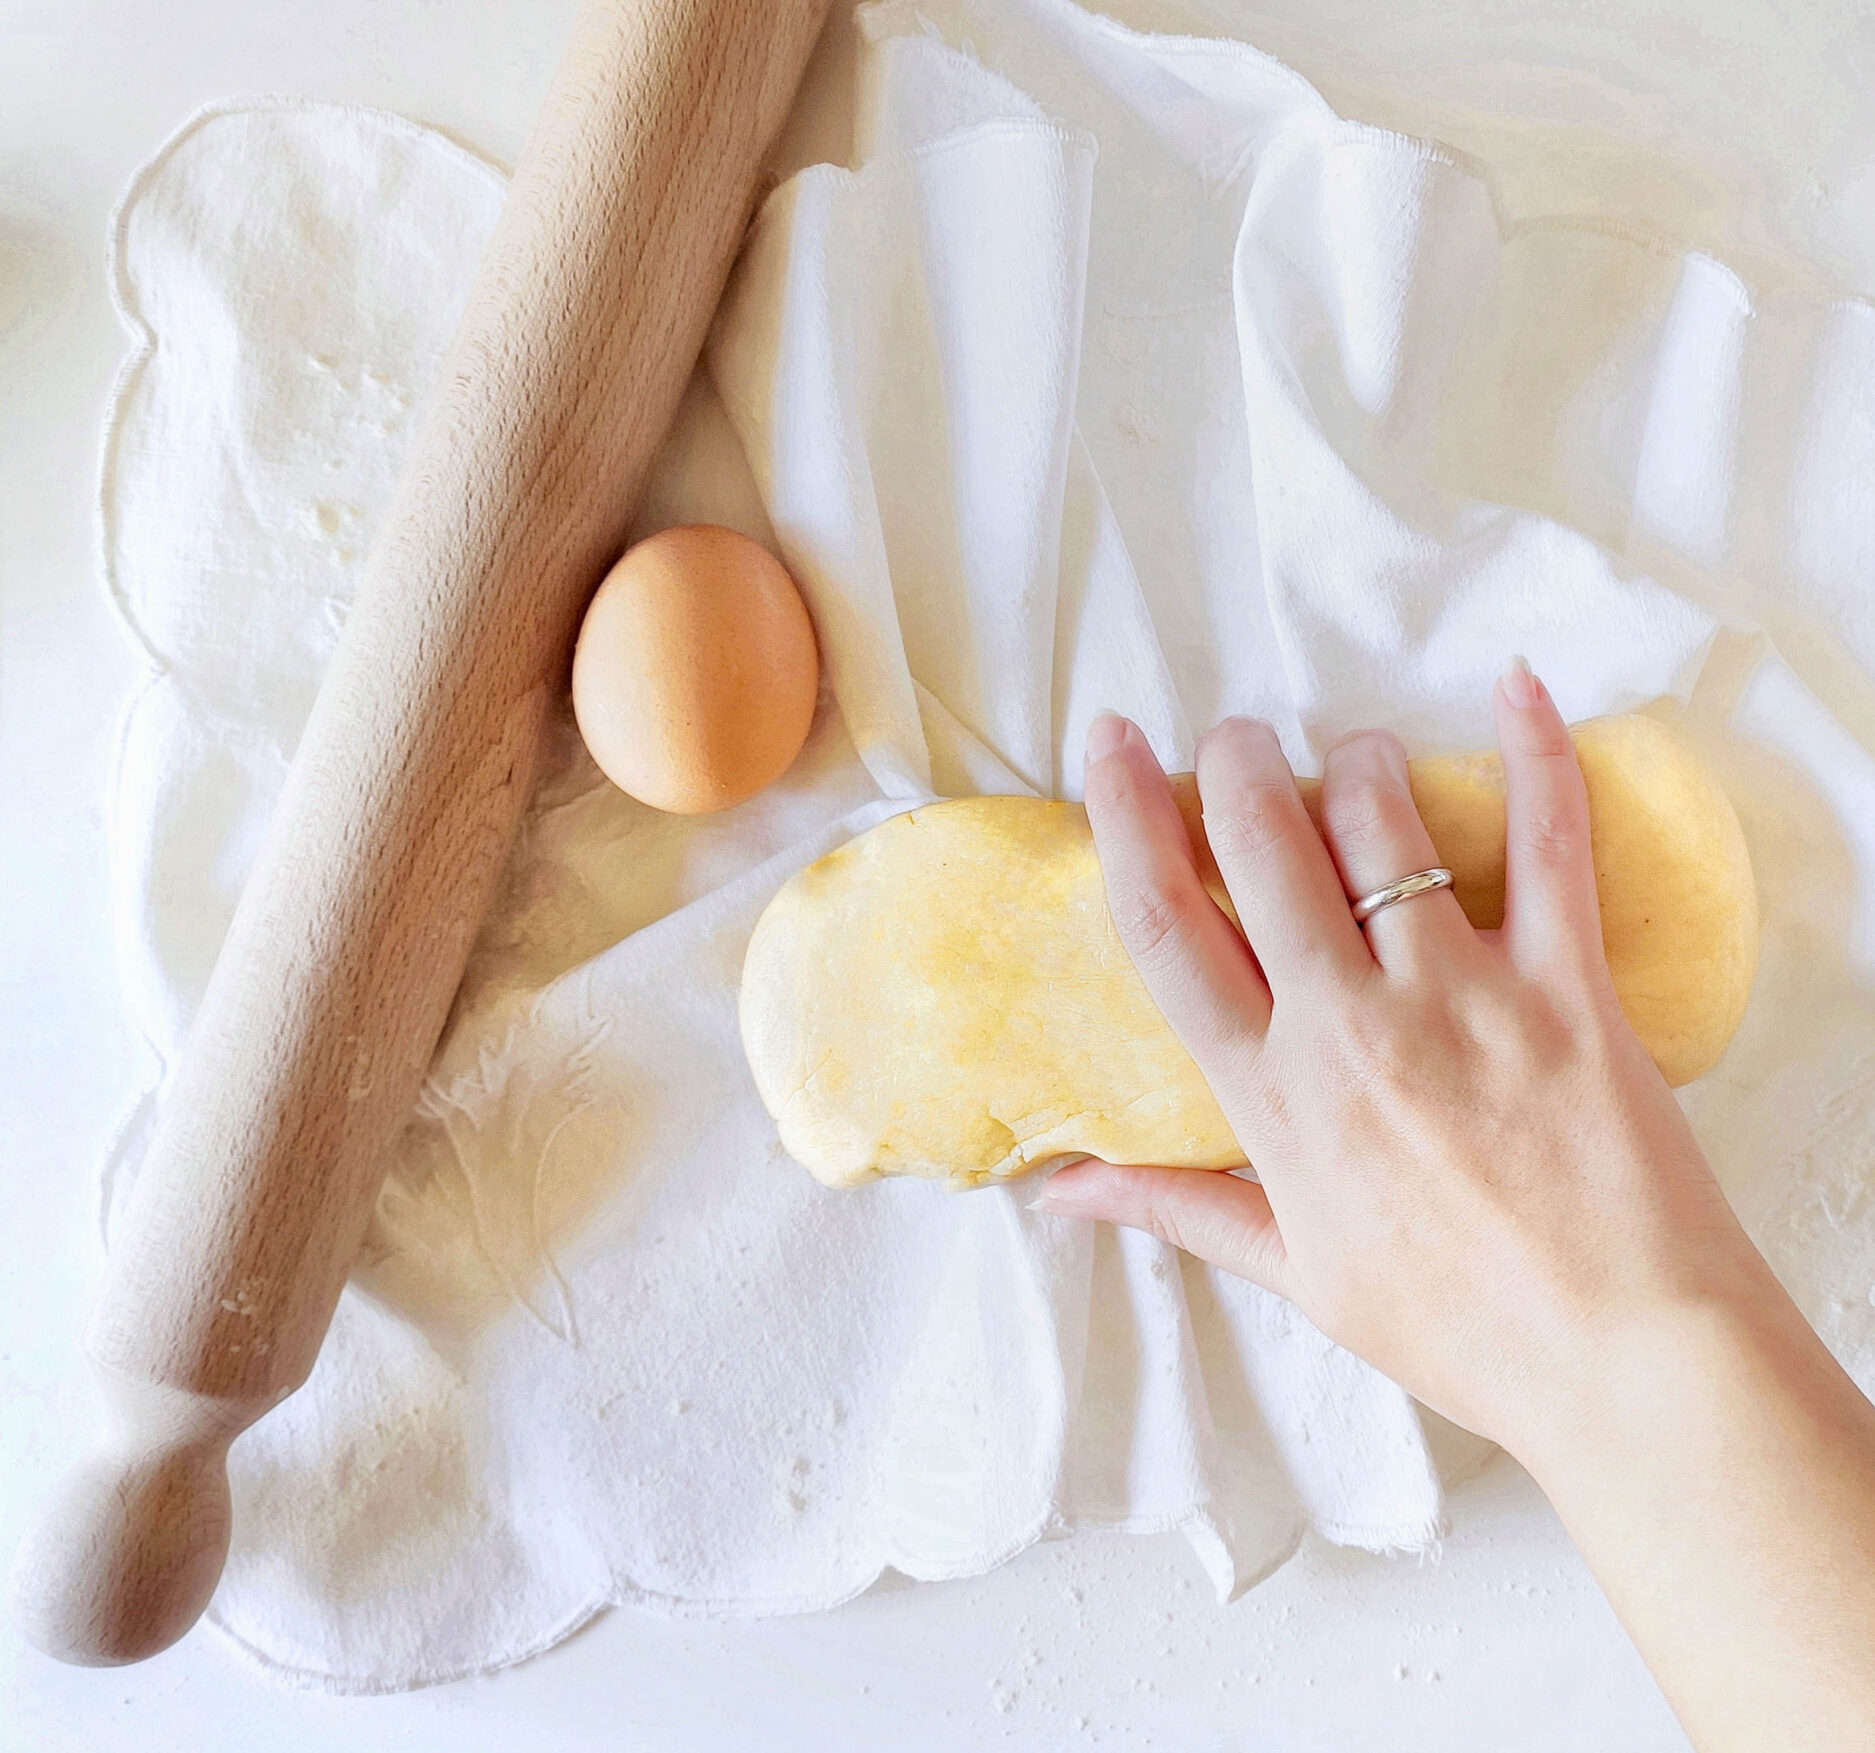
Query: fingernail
point(1521, 688)
point(1105, 735)
point(1046, 1202)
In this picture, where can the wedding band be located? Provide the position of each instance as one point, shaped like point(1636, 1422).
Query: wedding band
point(1421, 882)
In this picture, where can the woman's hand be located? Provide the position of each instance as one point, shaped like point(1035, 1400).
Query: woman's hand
point(1474, 1177)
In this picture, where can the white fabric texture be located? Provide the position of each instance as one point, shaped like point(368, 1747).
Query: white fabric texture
point(1120, 372)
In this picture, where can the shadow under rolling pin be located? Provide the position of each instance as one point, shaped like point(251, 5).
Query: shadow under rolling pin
point(382, 855)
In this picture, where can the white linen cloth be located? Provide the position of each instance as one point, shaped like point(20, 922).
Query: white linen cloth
point(1120, 372)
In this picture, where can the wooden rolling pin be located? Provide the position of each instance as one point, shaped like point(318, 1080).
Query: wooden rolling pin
point(402, 803)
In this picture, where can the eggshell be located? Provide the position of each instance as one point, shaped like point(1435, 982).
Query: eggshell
point(696, 671)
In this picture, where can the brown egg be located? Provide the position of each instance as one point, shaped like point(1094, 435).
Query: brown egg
point(696, 671)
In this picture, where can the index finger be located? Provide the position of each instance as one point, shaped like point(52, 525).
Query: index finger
point(1197, 969)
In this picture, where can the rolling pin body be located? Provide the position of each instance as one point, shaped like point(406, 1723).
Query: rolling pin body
point(402, 802)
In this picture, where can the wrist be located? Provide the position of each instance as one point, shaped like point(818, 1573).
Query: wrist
point(1719, 1478)
point(1661, 1379)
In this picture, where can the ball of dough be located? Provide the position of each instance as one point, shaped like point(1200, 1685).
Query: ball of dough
point(696, 672)
point(946, 995)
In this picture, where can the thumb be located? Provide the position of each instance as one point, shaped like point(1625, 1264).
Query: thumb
point(1214, 1215)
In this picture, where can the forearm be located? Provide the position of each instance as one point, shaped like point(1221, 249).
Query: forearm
point(1723, 1491)
point(1470, 1173)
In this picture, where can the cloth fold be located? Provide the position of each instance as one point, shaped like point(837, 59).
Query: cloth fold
point(1117, 371)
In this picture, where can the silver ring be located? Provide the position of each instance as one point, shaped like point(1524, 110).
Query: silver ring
point(1421, 882)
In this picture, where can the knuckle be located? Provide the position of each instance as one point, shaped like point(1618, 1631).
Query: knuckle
point(1366, 806)
point(1114, 787)
point(1552, 835)
point(1162, 1220)
point(1261, 811)
point(1366, 816)
point(1150, 924)
point(1173, 1225)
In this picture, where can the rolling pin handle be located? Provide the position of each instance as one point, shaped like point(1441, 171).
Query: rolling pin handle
point(128, 1553)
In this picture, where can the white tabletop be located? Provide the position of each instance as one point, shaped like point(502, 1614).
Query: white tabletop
point(1705, 122)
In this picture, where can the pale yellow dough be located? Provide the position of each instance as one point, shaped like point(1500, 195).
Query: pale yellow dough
point(945, 996)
